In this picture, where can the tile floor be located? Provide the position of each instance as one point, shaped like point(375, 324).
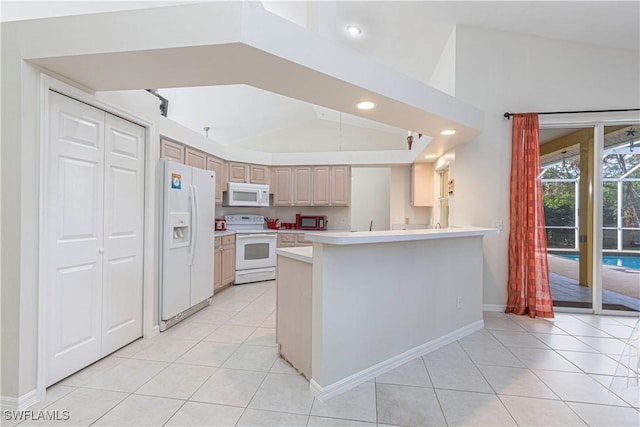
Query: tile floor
point(220, 368)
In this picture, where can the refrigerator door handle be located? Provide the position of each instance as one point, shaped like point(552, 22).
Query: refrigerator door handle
point(194, 223)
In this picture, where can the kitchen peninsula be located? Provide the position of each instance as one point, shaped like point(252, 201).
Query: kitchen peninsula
point(375, 300)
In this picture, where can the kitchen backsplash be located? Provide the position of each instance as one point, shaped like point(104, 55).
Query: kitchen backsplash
point(338, 217)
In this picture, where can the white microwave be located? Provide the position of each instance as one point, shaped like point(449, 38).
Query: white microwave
point(240, 194)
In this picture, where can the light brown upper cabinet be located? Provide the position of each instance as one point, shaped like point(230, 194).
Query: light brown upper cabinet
point(217, 165)
point(260, 174)
point(421, 184)
point(321, 185)
point(302, 186)
point(195, 158)
point(248, 173)
point(282, 194)
point(331, 185)
point(171, 150)
point(340, 185)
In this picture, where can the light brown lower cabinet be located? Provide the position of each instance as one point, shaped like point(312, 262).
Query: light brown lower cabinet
point(290, 240)
point(224, 257)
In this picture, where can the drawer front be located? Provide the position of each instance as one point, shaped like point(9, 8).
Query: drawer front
point(301, 241)
point(288, 237)
point(228, 240)
point(217, 242)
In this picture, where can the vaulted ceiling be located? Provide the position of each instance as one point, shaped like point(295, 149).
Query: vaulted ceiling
point(407, 36)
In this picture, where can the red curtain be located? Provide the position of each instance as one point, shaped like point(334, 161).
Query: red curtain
point(529, 290)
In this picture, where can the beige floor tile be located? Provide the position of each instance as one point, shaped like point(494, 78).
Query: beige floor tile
point(248, 318)
point(512, 339)
point(178, 381)
point(212, 315)
point(473, 409)
point(497, 356)
point(258, 418)
point(262, 336)
point(610, 346)
point(190, 330)
point(564, 342)
point(540, 412)
point(208, 353)
point(127, 376)
point(234, 334)
point(626, 387)
point(516, 381)
point(591, 363)
point(280, 366)
point(165, 350)
point(606, 416)
point(336, 422)
point(451, 368)
point(581, 329)
point(269, 322)
point(205, 414)
point(262, 305)
point(357, 404)
point(140, 411)
point(96, 369)
point(54, 393)
point(501, 323)
point(540, 326)
point(134, 347)
point(229, 387)
point(253, 358)
point(283, 393)
point(537, 358)
point(618, 331)
point(577, 387)
point(408, 406)
point(412, 373)
point(235, 304)
point(84, 406)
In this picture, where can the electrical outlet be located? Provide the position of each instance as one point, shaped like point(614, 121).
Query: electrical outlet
point(459, 303)
point(497, 223)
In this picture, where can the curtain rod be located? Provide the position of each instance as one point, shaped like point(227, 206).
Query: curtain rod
point(508, 115)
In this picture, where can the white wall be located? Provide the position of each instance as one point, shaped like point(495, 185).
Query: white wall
point(444, 75)
point(498, 72)
point(400, 199)
point(370, 198)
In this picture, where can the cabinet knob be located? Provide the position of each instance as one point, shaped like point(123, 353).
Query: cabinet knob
point(100, 250)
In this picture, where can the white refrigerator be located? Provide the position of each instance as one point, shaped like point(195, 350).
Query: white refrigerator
point(188, 226)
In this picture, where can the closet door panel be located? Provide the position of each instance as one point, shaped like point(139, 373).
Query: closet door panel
point(73, 236)
point(123, 231)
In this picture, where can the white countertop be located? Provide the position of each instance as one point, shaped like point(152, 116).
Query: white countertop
point(387, 236)
point(300, 253)
point(224, 233)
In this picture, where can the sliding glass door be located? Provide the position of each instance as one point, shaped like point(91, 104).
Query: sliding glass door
point(593, 242)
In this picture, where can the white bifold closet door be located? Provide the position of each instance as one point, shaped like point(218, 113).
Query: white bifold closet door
point(93, 235)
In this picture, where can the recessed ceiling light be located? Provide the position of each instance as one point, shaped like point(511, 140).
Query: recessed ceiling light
point(448, 132)
point(430, 156)
point(365, 105)
point(353, 30)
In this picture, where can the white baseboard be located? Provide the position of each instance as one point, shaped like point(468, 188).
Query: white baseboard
point(20, 403)
point(494, 307)
point(339, 387)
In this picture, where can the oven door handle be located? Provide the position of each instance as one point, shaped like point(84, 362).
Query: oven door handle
point(251, 236)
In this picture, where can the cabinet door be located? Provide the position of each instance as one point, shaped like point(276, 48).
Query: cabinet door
point(228, 264)
point(286, 240)
point(301, 241)
point(340, 186)
point(171, 150)
point(260, 174)
point(282, 189)
point(302, 181)
point(321, 185)
point(422, 184)
point(217, 165)
point(238, 172)
point(195, 158)
point(217, 265)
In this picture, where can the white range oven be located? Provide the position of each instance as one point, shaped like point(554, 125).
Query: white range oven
point(255, 248)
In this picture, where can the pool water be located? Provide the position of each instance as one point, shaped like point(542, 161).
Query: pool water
point(631, 262)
